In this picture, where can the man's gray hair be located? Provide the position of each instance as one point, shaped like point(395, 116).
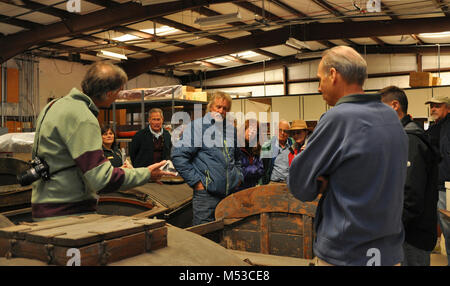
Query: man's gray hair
point(218, 95)
point(348, 62)
point(101, 78)
point(155, 110)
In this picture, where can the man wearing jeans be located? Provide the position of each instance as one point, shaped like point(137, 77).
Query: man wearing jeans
point(439, 134)
point(210, 162)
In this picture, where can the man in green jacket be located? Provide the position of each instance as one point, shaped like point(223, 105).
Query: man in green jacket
point(68, 139)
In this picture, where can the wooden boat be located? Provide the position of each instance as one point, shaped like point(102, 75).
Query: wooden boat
point(264, 219)
point(13, 196)
point(108, 240)
point(171, 201)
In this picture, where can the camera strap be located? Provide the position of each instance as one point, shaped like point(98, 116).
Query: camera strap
point(38, 136)
point(40, 125)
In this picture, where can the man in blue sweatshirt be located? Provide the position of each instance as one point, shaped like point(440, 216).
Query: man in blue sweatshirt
point(356, 158)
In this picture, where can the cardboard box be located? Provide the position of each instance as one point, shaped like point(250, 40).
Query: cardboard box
point(187, 88)
point(419, 79)
point(437, 81)
point(200, 96)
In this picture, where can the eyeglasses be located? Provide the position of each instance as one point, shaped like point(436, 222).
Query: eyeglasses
point(283, 130)
point(296, 132)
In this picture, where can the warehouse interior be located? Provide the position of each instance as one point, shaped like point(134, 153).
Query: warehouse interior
point(264, 53)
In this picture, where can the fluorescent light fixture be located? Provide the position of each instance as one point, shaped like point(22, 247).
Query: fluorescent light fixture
point(111, 55)
point(219, 60)
point(192, 66)
point(434, 35)
point(219, 19)
point(246, 54)
point(161, 31)
point(296, 44)
point(126, 37)
point(312, 55)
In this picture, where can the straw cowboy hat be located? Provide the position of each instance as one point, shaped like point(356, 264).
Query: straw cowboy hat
point(299, 125)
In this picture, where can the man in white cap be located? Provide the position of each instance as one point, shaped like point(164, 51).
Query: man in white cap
point(439, 135)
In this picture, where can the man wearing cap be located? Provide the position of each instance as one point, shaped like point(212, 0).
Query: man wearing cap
point(439, 134)
point(299, 131)
point(356, 158)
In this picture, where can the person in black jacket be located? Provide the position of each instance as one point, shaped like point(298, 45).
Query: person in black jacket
point(110, 148)
point(152, 144)
point(420, 197)
point(439, 135)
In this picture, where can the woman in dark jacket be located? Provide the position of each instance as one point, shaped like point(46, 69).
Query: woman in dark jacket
point(110, 149)
point(251, 165)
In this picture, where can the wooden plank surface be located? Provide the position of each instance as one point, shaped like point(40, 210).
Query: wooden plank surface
point(19, 231)
point(76, 235)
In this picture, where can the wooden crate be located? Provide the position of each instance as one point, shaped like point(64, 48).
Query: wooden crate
point(418, 79)
point(99, 239)
point(436, 81)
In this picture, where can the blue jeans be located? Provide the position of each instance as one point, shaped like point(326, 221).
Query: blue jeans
point(414, 256)
point(445, 224)
point(203, 207)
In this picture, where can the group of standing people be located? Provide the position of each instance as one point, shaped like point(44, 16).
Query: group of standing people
point(379, 176)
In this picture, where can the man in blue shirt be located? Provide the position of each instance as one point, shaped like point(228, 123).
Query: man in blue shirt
point(357, 158)
point(274, 155)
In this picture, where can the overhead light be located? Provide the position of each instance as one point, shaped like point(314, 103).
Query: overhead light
point(193, 66)
point(219, 19)
point(111, 55)
point(312, 55)
point(434, 35)
point(296, 44)
point(246, 54)
point(153, 2)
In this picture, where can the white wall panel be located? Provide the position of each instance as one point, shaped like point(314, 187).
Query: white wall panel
point(288, 107)
point(416, 102)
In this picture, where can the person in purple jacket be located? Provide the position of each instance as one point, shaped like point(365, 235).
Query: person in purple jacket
point(356, 158)
point(251, 165)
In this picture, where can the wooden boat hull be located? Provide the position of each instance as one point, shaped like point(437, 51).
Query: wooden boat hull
point(264, 219)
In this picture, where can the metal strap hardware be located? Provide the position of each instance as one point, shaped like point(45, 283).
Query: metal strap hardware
point(148, 240)
point(104, 254)
point(49, 248)
point(10, 253)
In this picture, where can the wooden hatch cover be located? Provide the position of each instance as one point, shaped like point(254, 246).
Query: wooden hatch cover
point(268, 219)
point(99, 239)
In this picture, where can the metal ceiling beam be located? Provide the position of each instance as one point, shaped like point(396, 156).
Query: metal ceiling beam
point(289, 60)
point(328, 7)
point(208, 12)
point(440, 4)
point(308, 32)
point(12, 45)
